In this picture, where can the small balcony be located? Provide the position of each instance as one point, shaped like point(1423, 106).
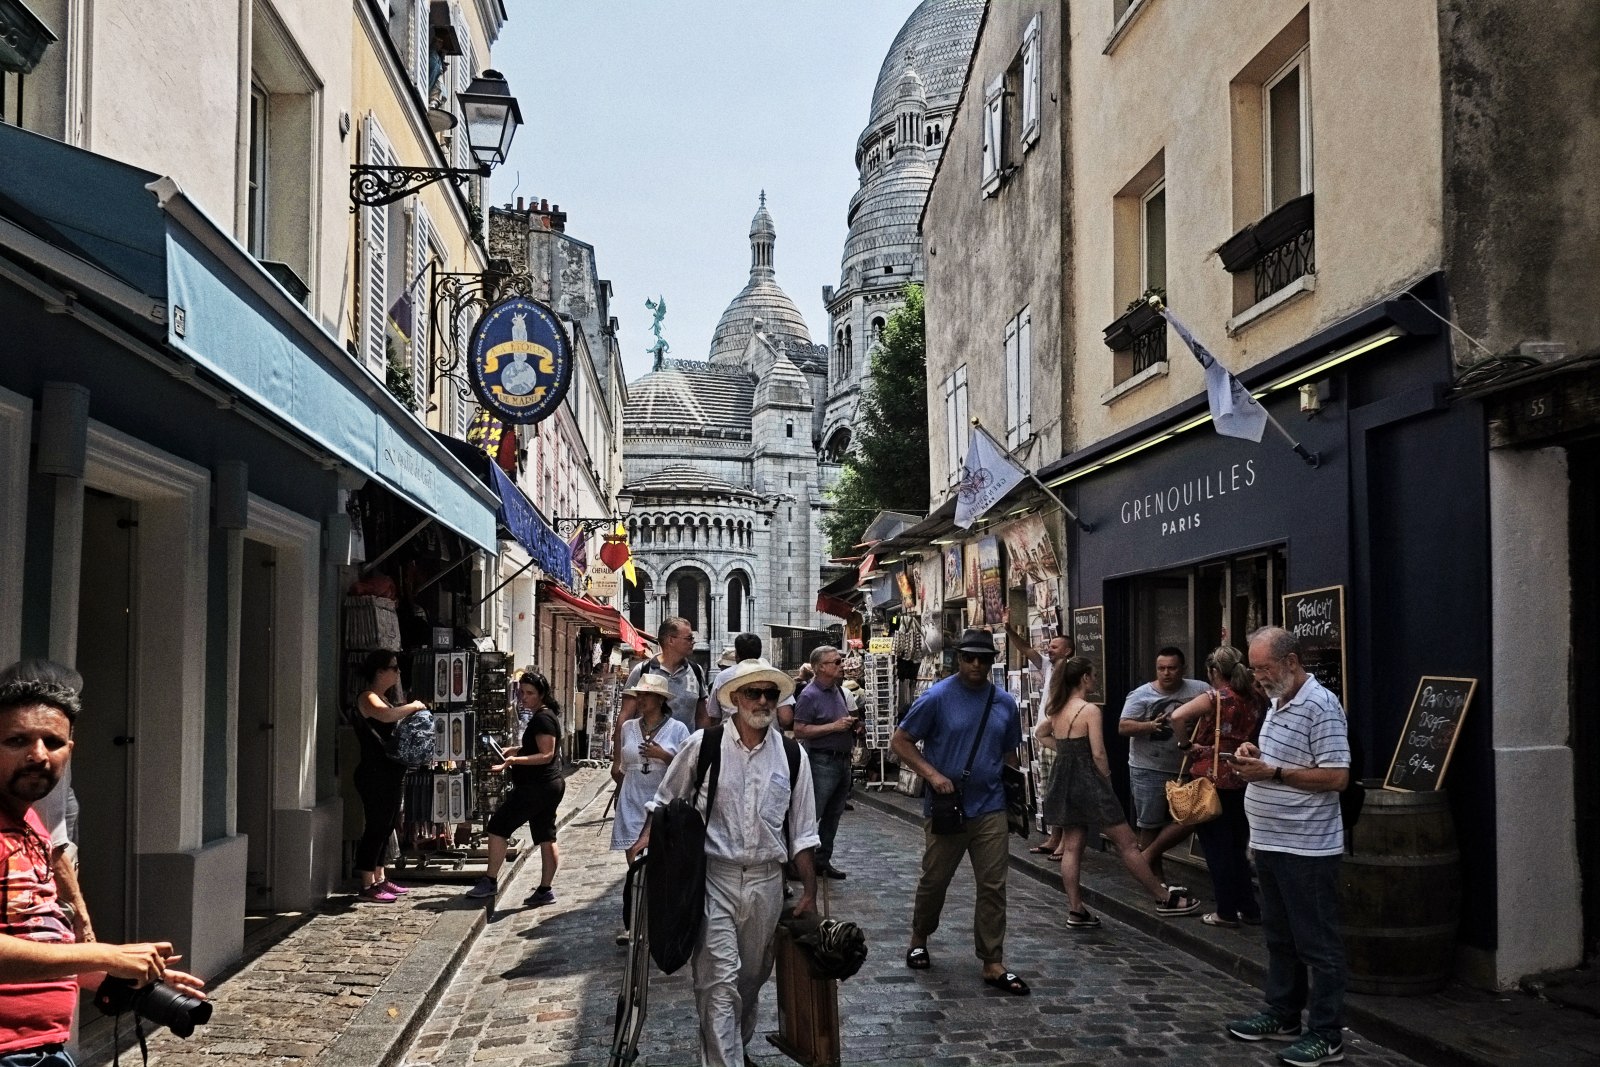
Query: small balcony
point(1277, 249)
point(1139, 339)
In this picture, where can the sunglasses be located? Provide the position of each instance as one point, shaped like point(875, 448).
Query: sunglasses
point(974, 657)
point(766, 692)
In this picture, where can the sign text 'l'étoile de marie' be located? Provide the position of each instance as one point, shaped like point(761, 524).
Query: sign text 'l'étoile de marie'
point(519, 361)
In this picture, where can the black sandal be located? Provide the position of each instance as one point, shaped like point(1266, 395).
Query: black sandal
point(918, 959)
point(1008, 983)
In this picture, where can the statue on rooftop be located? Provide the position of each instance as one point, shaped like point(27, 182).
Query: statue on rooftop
point(658, 306)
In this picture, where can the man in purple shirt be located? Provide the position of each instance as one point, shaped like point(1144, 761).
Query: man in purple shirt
point(824, 725)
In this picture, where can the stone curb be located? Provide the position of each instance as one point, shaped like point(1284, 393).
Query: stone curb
point(1419, 1044)
point(386, 1025)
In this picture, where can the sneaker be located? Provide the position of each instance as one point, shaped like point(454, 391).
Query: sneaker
point(377, 894)
point(484, 888)
point(1312, 1050)
point(390, 887)
point(1082, 919)
point(540, 897)
point(1265, 1026)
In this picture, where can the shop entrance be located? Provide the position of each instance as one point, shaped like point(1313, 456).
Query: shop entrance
point(1583, 465)
point(258, 673)
point(1199, 607)
point(102, 759)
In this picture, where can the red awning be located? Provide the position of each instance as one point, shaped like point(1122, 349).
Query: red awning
point(601, 615)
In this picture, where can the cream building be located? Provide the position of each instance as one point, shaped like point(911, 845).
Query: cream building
point(1314, 188)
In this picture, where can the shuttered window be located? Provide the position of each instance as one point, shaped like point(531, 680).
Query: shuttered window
point(1019, 378)
point(994, 116)
point(1030, 83)
point(375, 150)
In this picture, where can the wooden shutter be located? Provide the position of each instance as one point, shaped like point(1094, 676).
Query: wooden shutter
point(419, 46)
point(375, 258)
point(1025, 375)
point(993, 132)
point(1013, 409)
point(1030, 82)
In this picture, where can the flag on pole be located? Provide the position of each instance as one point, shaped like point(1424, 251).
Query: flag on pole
point(1234, 412)
point(986, 477)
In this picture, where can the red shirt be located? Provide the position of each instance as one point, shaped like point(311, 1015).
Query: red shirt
point(1241, 714)
point(32, 1013)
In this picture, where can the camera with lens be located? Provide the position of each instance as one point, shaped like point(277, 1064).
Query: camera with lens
point(1161, 733)
point(157, 1002)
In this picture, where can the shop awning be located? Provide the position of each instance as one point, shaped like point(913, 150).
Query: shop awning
point(528, 528)
point(136, 248)
point(608, 619)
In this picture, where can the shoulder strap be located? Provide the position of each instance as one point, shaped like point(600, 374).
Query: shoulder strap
point(709, 760)
point(700, 678)
point(791, 749)
point(977, 738)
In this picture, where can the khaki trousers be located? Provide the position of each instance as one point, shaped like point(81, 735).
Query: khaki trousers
point(984, 840)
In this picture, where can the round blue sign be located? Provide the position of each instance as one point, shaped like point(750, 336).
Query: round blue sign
point(519, 361)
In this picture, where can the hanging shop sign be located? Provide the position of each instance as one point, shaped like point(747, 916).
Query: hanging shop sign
point(519, 361)
point(603, 583)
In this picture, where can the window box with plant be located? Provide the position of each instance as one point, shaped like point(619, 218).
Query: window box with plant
point(1138, 319)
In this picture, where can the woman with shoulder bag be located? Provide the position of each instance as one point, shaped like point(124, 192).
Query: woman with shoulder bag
point(1080, 797)
point(1225, 718)
point(379, 779)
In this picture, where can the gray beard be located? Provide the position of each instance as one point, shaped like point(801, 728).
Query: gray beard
point(758, 720)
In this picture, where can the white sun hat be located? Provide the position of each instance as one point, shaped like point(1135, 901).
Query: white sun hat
point(752, 672)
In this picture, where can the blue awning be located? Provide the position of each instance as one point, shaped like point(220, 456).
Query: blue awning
point(530, 530)
point(228, 316)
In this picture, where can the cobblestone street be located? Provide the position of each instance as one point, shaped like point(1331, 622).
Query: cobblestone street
point(540, 985)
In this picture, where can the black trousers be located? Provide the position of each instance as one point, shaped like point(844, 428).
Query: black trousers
point(380, 787)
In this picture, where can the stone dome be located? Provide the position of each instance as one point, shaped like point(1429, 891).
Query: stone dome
point(939, 36)
point(762, 299)
point(683, 480)
point(687, 397)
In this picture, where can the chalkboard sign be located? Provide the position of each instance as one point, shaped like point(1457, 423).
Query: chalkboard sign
point(1089, 641)
point(1316, 617)
point(1430, 733)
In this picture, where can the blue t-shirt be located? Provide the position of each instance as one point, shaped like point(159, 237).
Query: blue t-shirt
point(944, 719)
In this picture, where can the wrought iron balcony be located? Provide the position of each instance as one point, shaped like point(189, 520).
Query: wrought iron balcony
point(1142, 333)
point(1278, 248)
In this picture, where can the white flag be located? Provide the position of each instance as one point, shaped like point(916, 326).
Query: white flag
point(1234, 412)
point(986, 477)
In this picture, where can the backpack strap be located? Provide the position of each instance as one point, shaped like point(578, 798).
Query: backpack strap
point(791, 749)
point(709, 761)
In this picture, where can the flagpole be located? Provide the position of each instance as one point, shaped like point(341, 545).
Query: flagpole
point(1085, 527)
point(1312, 459)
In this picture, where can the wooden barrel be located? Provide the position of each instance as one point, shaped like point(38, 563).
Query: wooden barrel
point(1400, 894)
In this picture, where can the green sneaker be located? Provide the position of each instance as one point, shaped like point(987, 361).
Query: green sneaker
point(1311, 1050)
point(1265, 1026)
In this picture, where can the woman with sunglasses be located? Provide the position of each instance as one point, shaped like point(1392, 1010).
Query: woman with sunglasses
point(379, 780)
point(537, 786)
point(1080, 795)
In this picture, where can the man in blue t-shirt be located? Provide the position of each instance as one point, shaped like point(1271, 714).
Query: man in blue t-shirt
point(946, 721)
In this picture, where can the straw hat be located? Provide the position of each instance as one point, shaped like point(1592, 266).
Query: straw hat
point(650, 684)
point(729, 657)
point(752, 672)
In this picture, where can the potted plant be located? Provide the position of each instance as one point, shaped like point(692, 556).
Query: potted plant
point(1286, 222)
point(1138, 318)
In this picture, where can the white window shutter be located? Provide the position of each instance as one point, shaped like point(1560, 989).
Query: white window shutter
point(1030, 81)
point(375, 259)
point(950, 445)
point(1025, 375)
point(458, 138)
point(1013, 384)
point(963, 434)
point(421, 325)
point(993, 132)
point(419, 46)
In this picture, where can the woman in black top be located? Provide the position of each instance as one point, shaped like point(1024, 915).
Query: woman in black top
point(379, 779)
point(537, 785)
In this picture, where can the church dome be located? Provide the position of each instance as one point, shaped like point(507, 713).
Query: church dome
point(939, 36)
point(762, 299)
point(684, 397)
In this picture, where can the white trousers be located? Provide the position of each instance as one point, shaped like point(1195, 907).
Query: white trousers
point(734, 959)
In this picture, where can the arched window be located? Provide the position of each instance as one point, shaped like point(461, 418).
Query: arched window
point(877, 330)
point(849, 355)
point(737, 591)
point(788, 427)
point(689, 598)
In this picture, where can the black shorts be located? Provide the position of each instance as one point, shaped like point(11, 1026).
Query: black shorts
point(536, 807)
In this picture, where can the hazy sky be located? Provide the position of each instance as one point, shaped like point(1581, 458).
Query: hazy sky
point(656, 123)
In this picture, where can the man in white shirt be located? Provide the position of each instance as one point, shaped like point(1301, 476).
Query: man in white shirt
point(758, 819)
point(745, 646)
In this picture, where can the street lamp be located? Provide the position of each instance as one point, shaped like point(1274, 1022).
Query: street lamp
point(492, 117)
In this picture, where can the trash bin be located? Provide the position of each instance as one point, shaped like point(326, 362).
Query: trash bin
point(1400, 894)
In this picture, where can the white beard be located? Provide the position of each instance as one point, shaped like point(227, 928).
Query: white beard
point(757, 720)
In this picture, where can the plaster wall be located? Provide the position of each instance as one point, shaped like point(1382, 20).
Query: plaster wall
point(1540, 921)
point(989, 257)
point(1163, 91)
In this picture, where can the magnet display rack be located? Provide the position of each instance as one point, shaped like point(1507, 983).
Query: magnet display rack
point(877, 709)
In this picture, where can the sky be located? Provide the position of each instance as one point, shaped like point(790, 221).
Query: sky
point(655, 124)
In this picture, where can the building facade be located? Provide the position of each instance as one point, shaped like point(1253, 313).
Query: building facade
point(720, 459)
point(1233, 168)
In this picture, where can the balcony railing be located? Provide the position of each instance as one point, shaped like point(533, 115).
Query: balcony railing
point(1150, 347)
point(1140, 333)
point(1277, 249)
point(1282, 264)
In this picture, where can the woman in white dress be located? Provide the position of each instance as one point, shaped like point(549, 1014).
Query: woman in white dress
point(649, 741)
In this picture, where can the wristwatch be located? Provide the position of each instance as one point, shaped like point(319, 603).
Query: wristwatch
point(1277, 774)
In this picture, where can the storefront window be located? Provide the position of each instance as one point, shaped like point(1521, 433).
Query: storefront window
point(1200, 607)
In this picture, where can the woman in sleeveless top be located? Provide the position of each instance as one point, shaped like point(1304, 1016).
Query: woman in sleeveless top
point(379, 780)
point(1235, 701)
point(1080, 795)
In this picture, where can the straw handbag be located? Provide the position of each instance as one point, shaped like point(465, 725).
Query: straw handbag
point(1195, 801)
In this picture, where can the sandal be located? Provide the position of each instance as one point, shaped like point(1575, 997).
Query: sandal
point(1178, 902)
point(1056, 856)
point(918, 959)
point(1082, 919)
point(1008, 983)
point(1041, 850)
point(1211, 918)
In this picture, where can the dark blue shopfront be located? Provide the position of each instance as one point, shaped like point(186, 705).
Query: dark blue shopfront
point(1197, 537)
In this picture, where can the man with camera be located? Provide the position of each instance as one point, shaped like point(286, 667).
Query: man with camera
point(42, 962)
point(968, 728)
point(1153, 753)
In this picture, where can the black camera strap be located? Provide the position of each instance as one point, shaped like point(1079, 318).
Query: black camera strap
point(116, 1040)
point(977, 740)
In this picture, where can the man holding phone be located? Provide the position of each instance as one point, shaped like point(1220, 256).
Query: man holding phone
point(1292, 802)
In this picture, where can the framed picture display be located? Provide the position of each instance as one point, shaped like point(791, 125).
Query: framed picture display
point(441, 798)
point(441, 679)
point(460, 681)
point(441, 737)
point(458, 797)
point(458, 735)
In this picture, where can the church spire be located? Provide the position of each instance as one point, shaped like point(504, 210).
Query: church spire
point(763, 235)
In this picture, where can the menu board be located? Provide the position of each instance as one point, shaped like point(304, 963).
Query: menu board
point(1432, 726)
point(1089, 641)
point(1316, 618)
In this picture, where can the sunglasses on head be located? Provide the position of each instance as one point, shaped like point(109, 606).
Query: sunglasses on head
point(973, 657)
point(765, 692)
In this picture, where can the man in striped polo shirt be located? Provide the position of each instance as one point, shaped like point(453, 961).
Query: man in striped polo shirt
point(1292, 801)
